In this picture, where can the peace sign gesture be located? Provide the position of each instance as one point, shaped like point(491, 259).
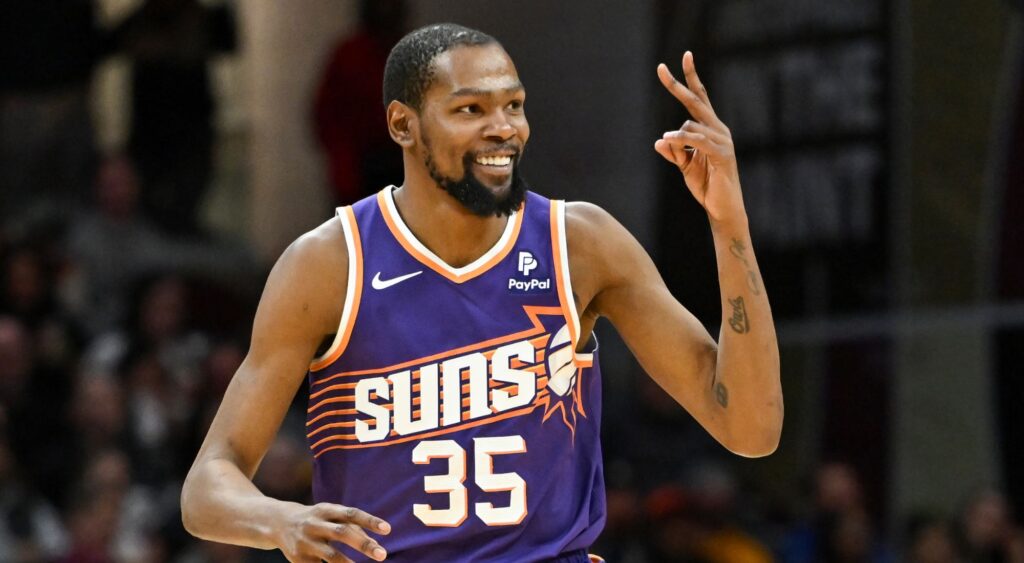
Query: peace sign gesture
point(702, 148)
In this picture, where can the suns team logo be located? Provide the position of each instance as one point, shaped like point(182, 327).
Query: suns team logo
point(494, 380)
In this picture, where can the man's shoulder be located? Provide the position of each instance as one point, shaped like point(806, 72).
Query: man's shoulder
point(585, 221)
point(325, 240)
point(319, 254)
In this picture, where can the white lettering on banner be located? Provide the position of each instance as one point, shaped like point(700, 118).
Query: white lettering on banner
point(823, 198)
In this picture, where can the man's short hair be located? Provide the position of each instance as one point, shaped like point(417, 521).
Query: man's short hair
point(409, 70)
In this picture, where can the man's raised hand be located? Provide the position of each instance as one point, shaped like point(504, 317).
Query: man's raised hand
point(702, 148)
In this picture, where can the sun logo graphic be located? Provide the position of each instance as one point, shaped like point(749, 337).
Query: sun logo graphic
point(564, 395)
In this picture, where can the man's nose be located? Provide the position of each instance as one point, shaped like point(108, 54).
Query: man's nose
point(499, 127)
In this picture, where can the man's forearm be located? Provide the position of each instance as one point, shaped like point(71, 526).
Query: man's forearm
point(218, 503)
point(746, 384)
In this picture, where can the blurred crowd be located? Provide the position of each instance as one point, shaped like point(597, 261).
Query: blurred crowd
point(122, 322)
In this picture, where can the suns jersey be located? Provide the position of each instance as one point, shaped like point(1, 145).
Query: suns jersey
point(452, 401)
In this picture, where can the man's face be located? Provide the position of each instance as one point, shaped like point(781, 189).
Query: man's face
point(473, 129)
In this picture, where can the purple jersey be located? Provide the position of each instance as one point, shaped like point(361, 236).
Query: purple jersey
point(452, 402)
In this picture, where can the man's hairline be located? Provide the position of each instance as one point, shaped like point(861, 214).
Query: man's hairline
point(431, 69)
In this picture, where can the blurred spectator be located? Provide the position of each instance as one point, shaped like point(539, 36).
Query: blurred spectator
point(172, 134)
point(675, 533)
point(715, 491)
point(113, 247)
point(930, 539)
point(109, 474)
point(690, 526)
point(159, 325)
point(987, 531)
point(96, 421)
point(850, 537)
point(47, 52)
point(28, 292)
point(93, 520)
point(839, 527)
point(361, 157)
point(158, 418)
point(27, 286)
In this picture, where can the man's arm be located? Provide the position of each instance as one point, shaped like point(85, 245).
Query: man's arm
point(733, 388)
point(301, 304)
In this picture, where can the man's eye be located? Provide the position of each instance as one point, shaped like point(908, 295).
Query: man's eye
point(467, 109)
point(515, 105)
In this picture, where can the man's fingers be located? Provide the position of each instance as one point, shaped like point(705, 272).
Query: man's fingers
point(710, 132)
point(352, 535)
point(684, 156)
point(694, 104)
point(665, 149)
point(693, 81)
point(683, 139)
point(342, 514)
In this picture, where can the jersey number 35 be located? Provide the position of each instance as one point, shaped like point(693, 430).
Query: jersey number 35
point(489, 481)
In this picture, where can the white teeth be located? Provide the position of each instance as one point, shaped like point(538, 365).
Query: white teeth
point(494, 160)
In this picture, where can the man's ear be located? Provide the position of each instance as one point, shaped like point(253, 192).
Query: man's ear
point(403, 124)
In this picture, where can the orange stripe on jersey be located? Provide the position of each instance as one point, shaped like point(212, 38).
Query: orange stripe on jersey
point(348, 424)
point(357, 262)
point(432, 262)
point(537, 328)
point(333, 388)
point(340, 412)
point(559, 282)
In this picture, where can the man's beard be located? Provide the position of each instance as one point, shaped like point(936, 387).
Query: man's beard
point(475, 196)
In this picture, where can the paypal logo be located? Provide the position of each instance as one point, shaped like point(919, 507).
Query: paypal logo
point(527, 263)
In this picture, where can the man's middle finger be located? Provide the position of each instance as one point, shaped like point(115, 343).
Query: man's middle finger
point(697, 108)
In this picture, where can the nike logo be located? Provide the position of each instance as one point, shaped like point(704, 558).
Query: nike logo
point(378, 283)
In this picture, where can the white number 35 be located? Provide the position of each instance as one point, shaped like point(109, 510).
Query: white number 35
point(486, 479)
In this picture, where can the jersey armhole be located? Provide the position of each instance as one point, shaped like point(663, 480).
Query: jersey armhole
point(564, 282)
point(353, 291)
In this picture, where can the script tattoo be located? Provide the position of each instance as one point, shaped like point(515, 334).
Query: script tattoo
point(739, 321)
point(738, 249)
point(722, 395)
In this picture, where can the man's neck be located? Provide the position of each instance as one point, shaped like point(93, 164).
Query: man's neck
point(452, 232)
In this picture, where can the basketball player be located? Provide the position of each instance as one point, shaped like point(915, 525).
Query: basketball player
point(445, 326)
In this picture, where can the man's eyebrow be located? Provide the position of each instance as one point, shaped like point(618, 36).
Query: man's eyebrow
point(483, 92)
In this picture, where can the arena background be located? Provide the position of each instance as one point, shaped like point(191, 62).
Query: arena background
point(158, 155)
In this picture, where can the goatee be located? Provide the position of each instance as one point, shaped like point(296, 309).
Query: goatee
point(475, 196)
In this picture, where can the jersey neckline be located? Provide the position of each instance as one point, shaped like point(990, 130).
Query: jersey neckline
point(419, 251)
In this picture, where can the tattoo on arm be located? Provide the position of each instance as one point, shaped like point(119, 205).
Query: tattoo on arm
point(738, 249)
point(722, 394)
point(739, 321)
point(752, 282)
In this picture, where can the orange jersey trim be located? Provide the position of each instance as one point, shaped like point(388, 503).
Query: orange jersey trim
point(355, 260)
point(435, 263)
